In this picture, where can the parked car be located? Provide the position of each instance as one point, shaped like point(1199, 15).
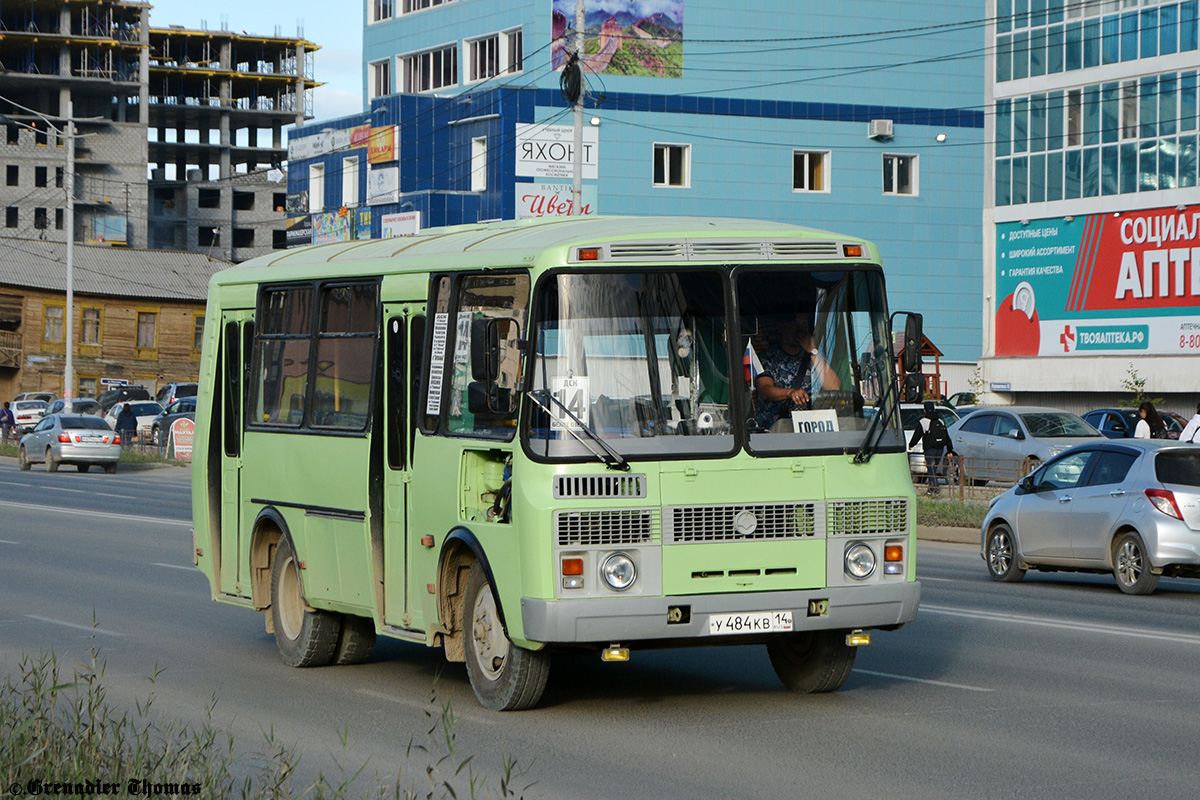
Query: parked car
point(46, 396)
point(1006, 443)
point(959, 399)
point(122, 394)
point(78, 439)
point(27, 413)
point(910, 420)
point(1175, 423)
point(171, 392)
point(1115, 423)
point(1131, 508)
point(80, 405)
point(145, 410)
point(183, 408)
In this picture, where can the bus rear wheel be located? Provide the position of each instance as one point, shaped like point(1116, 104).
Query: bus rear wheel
point(305, 636)
point(356, 641)
point(812, 661)
point(505, 677)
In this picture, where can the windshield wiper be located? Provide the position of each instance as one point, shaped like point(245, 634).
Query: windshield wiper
point(879, 424)
point(610, 457)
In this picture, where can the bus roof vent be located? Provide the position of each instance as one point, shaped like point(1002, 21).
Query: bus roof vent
point(579, 486)
point(704, 249)
point(647, 250)
point(803, 249)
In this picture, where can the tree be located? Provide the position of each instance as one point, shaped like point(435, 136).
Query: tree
point(1137, 384)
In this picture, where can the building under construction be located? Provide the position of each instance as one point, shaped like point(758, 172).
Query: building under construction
point(178, 133)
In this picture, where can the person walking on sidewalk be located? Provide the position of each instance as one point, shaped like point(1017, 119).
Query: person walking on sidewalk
point(1191, 431)
point(935, 441)
point(7, 422)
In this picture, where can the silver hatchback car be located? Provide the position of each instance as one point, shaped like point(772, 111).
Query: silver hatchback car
point(1129, 507)
point(78, 439)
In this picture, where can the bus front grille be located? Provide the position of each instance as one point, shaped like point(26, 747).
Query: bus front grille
point(864, 517)
point(605, 528)
point(571, 486)
point(735, 523)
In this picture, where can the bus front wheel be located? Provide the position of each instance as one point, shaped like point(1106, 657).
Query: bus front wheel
point(812, 661)
point(306, 637)
point(505, 677)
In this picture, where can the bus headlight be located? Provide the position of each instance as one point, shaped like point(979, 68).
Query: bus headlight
point(860, 561)
point(619, 571)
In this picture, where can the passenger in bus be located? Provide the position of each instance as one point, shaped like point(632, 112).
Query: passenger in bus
point(789, 367)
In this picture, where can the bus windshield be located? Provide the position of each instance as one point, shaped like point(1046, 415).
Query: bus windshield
point(642, 360)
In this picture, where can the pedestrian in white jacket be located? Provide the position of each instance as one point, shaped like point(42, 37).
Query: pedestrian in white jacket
point(1192, 429)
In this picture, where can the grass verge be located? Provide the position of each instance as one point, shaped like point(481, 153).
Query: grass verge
point(949, 512)
point(62, 736)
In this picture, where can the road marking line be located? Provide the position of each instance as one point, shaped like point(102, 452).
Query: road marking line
point(76, 491)
point(105, 515)
point(172, 566)
point(1044, 622)
point(6, 541)
point(923, 578)
point(924, 680)
point(73, 625)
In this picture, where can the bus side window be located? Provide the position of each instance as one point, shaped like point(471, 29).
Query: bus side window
point(491, 296)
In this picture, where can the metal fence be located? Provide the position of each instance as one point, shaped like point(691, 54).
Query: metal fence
point(965, 479)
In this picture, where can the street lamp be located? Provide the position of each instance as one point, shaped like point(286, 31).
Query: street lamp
point(69, 185)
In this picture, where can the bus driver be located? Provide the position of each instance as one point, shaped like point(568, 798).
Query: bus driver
point(786, 380)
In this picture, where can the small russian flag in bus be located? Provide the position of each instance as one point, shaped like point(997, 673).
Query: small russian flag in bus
point(750, 363)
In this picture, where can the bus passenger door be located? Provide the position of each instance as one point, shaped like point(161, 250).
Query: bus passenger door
point(237, 337)
point(404, 327)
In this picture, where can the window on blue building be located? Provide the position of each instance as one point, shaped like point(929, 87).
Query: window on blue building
point(1091, 43)
point(1073, 49)
point(1091, 171)
point(381, 10)
point(1149, 46)
point(1187, 161)
point(1167, 151)
point(1187, 25)
point(1110, 112)
point(1168, 30)
point(1003, 127)
point(1071, 174)
point(1054, 176)
point(1004, 57)
point(899, 174)
point(809, 171)
point(1111, 40)
point(1129, 167)
point(1187, 101)
point(1129, 36)
point(1149, 166)
point(1054, 50)
point(1020, 49)
point(1168, 112)
point(671, 165)
point(1109, 170)
point(1129, 110)
point(1037, 52)
point(1149, 107)
point(1003, 182)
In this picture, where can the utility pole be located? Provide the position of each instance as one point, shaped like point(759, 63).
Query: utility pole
point(577, 185)
point(69, 184)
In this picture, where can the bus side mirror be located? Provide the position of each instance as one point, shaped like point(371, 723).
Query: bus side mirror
point(913, 340)
point(485, 349)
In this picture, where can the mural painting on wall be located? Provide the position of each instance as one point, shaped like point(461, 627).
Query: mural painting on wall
point(623, 37)
point(1099, 284)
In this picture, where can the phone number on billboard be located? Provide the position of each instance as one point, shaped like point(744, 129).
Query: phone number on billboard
point(1189, 342)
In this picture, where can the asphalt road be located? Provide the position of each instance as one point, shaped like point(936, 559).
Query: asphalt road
point(1058, 686)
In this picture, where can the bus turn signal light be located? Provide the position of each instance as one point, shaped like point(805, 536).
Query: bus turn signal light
point(589, 254)
point(852, 250)
point(893, 552)
point(572, 566)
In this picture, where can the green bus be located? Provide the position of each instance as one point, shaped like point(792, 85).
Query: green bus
point(516, 437)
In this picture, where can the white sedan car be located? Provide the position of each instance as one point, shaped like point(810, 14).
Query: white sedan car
point(146, 411)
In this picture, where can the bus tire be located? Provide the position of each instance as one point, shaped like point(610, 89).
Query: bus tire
point(505, 677)
point(356, 641)
point(812, 661)
point(305, 637)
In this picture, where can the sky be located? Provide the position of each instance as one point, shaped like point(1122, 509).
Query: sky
point(338, 64)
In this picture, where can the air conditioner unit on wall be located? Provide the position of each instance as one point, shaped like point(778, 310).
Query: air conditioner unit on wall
point(880, 129)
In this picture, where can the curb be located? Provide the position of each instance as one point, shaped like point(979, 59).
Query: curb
point(124, 467)
point(943, 533)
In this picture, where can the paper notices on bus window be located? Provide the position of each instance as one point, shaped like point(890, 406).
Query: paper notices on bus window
point(572, 392)
point(823, 421)
point(433, 401)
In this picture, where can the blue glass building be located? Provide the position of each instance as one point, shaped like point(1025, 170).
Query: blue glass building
point(865, 117)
